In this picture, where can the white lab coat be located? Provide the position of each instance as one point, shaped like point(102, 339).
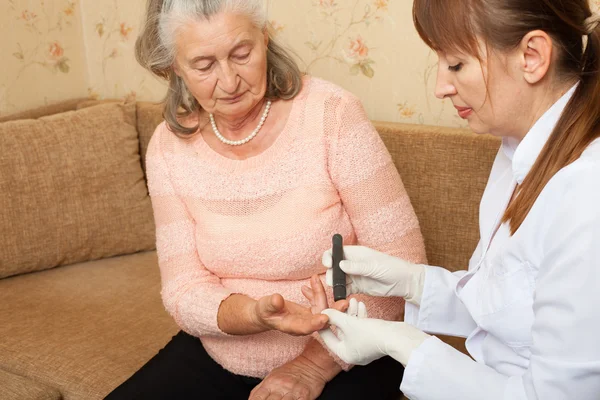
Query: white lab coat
point(529, 304)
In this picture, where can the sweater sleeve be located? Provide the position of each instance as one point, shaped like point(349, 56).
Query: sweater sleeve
point(191, 294)
point(372, 194)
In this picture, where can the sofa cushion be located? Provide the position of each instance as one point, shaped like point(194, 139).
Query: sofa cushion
point(72, 189)
point(445, 171)
point(149, 116)
point(84, 328)
point(15, 387)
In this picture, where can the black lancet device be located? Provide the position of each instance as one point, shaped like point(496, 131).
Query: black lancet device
point(339, 276)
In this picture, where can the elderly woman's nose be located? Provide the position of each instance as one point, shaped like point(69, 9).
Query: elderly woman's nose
point(229, 79)
point(443, 85)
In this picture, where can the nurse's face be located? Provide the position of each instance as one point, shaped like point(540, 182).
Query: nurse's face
point(488, 94)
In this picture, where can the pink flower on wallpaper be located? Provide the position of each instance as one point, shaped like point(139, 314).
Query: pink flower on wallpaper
point(357, 55)
point(70, 10)
point(357, 50)
point(55, 51)
point(277, 27)
point(56, 54)
point(125, 30)
point(382, 4)
point(28, 16)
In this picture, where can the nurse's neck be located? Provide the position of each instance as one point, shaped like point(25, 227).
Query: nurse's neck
point(534, 103)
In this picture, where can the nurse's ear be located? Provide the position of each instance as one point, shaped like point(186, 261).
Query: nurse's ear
point(535, 56)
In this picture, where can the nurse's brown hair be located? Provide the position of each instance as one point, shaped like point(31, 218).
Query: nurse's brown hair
point(455, 26)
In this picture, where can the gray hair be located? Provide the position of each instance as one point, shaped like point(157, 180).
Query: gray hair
point(155, 51)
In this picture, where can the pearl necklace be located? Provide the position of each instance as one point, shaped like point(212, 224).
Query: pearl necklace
point(242, 141)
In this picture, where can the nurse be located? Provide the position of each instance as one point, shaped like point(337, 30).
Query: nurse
point(529, 303)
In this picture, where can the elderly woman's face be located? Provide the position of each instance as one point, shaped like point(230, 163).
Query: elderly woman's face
point(223, 62)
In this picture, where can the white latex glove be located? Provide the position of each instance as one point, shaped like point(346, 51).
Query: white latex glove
point(363, 340)
point(377, 274)
point(356, 309)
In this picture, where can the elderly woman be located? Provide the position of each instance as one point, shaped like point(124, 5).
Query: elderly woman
point(253, 170)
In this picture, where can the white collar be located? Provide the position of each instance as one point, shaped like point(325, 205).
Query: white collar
point(525, 153)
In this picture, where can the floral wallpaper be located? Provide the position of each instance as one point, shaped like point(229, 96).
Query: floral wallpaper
point(42, 53)
point(371, 48)
point(109, 31)
point(60, 49)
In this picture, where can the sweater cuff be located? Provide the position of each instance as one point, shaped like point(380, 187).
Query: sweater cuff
point(199, 318)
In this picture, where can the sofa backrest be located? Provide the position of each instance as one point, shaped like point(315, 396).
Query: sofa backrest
point(445, 171)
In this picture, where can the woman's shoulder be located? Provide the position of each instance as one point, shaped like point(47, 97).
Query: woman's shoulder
point(164, 134)
point(161, 134)
point(587, 166)
point(318, 88)
point(578, 182)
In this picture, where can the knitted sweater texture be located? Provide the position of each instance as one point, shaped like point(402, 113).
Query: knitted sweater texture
point(260, 226)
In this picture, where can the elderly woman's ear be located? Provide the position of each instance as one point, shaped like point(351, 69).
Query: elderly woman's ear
point(266, 35)
point(176, 68)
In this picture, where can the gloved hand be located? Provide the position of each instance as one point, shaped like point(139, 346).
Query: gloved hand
point(355, 309)
point(362, 340)
point(377, 274)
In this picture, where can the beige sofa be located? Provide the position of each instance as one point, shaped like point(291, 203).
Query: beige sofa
point(80, 309)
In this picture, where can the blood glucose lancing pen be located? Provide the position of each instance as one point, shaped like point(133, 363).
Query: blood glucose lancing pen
point(339, 276)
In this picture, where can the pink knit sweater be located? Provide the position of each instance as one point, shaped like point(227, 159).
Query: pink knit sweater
point(259, 226)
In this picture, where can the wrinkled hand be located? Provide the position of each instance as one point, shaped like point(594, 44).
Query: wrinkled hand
point(378, 274)
point(297, 380)
point(274, 312)
point(362, 340)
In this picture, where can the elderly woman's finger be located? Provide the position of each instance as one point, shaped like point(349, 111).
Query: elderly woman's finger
point(317, 323)
point(259, 393)
point(308, 293)
point(341, 305)
point(319, 295)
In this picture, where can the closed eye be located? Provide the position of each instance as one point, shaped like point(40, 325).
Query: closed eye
point(241, 57)
point(206, 68)
point(455, 68)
